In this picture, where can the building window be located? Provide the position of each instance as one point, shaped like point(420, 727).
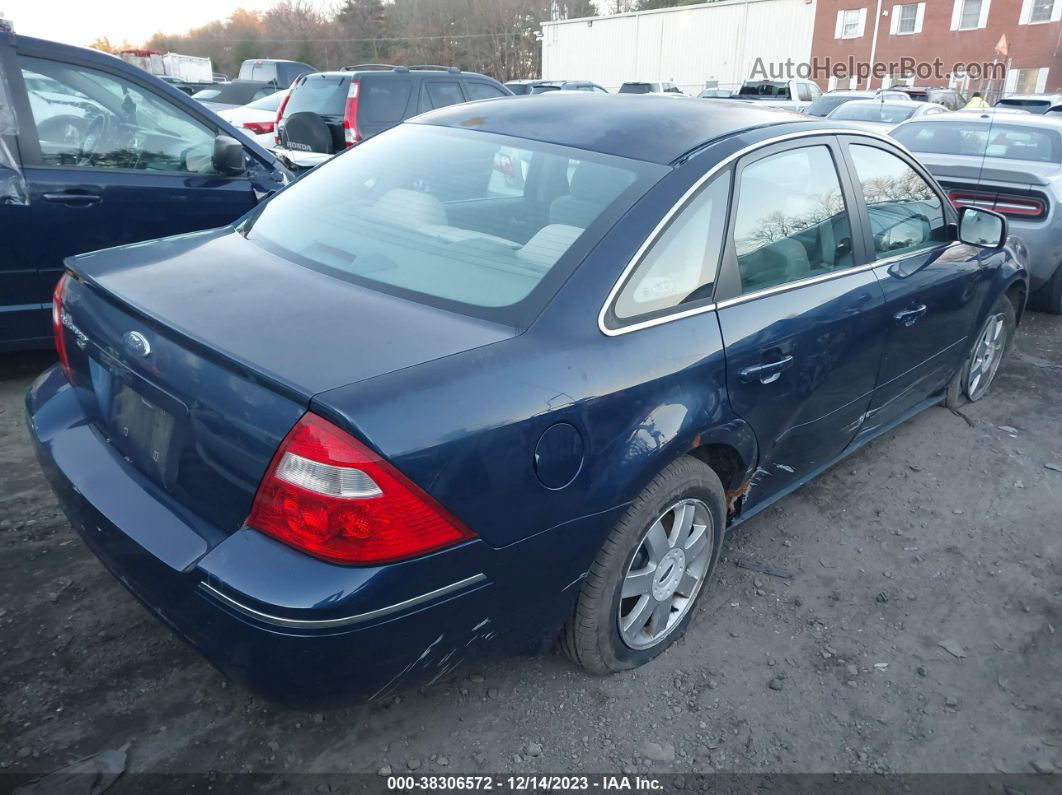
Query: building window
point(969, 14)
point(850, 23)
point(1034, 12)
point(1027, 81)
point(907, 19)
point(906, 23)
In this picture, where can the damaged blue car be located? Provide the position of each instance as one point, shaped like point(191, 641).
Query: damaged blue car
point(424, 404)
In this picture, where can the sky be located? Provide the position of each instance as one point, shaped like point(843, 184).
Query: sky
point(82, 21)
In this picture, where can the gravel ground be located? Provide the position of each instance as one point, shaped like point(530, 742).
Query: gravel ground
point(920, 631)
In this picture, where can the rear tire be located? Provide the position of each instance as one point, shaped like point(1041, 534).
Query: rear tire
point(990, 347)
point(1049, 297)
point(643, 587)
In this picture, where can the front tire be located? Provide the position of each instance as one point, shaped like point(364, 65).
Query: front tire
point(990, 347)
point(642, 589)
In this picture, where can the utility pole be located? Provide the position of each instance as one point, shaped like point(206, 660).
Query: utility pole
point(874, 45)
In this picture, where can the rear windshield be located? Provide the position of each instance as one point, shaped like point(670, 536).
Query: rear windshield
point(256, 70)
point(824, 104)
point(882, 112)
point(271, 102)
point(635, 88)
point(1034, 105)
point(322, 94)
point(764, 89)
point(982, 140)
point(444, 217)
point(236, 93)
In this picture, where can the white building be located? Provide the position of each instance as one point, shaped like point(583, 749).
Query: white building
point(692, 46)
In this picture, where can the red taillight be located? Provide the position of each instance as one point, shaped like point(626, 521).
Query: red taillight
point(260, 127)
point(57, 327)
point(351, 135)
point(280, 115)
point(332, 497)
point(1028, 207)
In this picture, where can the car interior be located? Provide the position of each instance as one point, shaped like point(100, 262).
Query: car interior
point(89, 119)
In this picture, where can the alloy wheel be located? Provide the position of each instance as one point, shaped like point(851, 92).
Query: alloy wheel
point(666, 574)
point(987, 355)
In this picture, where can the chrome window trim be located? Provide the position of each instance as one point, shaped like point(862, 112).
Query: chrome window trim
point(328, 623)
point(680, 205)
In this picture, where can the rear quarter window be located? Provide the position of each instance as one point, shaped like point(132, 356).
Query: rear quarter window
point(479, 90)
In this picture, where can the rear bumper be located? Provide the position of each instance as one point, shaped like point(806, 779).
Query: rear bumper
point(293, 629)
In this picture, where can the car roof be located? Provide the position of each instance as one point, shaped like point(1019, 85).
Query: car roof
point(397, 71)
point(656, 129)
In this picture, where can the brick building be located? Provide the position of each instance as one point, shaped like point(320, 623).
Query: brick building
point(950, 31)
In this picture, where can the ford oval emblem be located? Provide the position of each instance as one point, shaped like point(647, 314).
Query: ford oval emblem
point(137, 344)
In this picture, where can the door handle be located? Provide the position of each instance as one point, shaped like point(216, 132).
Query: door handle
point(77, 199)
point(766, 373)
point(909, 317)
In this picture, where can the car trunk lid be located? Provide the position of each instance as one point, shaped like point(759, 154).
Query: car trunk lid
point(195, 355)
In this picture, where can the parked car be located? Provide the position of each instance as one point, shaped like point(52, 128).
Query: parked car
point(834, 99)
point(1031, 103)
point(877, 114)
point(326, 112)
point(279, 72)
point(654, 87)
point(529, 87)
point(1011, 164)
point(787, 94)
point(475, 416)
point(106, 154)
point(948, 97)
point(257, 119)
point(226, 96)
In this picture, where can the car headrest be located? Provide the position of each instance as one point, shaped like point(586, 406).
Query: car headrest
point(411, 208)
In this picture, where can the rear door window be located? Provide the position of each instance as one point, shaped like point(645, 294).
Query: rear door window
point(325, 95)
point(441, 93)
point(385, 100)
point(479, 90)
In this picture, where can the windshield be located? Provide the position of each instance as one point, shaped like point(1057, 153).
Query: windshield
point(880, 112)
point(1012, 142)
point(483, 224)
point(763, 89)
point(635, 88)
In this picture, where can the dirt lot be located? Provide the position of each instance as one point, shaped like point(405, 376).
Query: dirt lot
point(921, 630)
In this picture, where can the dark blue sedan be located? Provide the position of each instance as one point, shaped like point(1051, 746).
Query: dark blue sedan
point(424, 404)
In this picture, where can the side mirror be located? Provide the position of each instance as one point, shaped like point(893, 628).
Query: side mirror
point(229, 157)
point(982, 228)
